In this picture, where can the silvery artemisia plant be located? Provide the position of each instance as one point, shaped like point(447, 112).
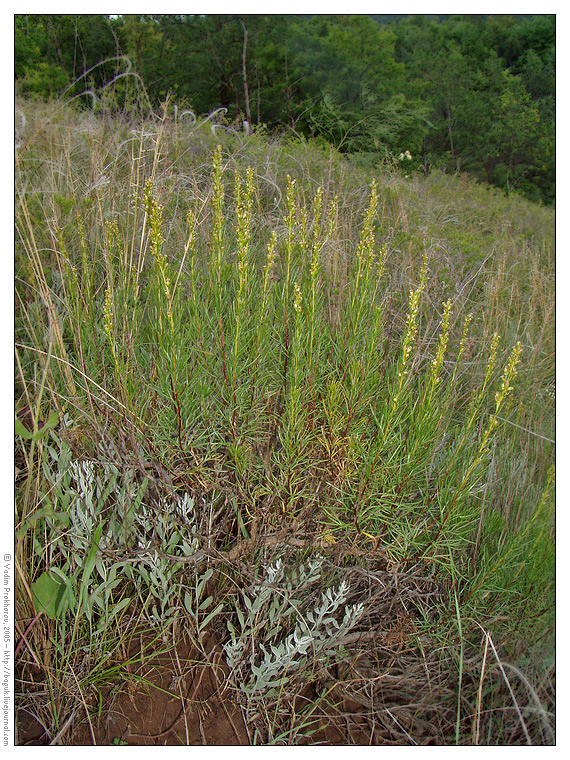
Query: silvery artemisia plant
point(262, 653)
point(168, 530)
point(85, 495)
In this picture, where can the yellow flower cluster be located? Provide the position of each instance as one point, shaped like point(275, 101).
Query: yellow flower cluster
point(298, 298)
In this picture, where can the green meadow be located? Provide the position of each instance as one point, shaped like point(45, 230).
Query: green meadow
point(287, 404)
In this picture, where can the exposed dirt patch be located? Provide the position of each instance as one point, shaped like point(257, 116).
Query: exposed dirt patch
point(183, 697)
point(29, 731)
point(376, 694)
point(178, 698)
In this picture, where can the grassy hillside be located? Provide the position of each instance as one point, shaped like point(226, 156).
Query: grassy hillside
point(286, 417)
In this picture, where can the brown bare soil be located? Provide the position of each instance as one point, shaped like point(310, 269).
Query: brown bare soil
point(183, 697)
point(390, 686)
point(378, 694)
point(178, 697)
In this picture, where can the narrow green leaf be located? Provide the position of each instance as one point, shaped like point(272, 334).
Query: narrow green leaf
point(212, 615)
point(188, 603)
point(51, 422)
point(206, 603)
point(119, 607)
point(22, 430)
point(90, 561)
point(68, 598)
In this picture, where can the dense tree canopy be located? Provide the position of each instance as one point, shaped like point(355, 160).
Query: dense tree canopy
point(472, 93)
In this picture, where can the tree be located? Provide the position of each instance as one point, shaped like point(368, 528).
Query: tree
point(516, 132)
point(36, 65)
point(352, 85)
point(474, 93)
point(54, 51)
